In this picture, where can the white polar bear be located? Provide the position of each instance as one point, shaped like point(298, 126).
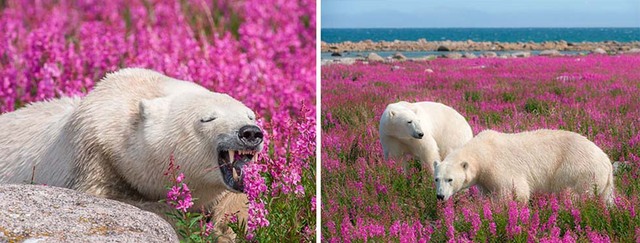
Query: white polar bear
point(116, 142)
point(527, 162)
point(427, 130)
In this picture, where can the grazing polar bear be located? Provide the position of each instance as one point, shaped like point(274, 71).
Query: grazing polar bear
point(526, 162)
point(427, 130)
point(116, 142)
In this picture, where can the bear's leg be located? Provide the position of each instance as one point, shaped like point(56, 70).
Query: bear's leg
point(522, 191)
point(428, 152)
point(392, 148)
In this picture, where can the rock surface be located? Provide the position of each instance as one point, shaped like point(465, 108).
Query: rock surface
point(399, 56)
point(33, 213)
point(550, 53)
point(423, 45)
point(374, 57)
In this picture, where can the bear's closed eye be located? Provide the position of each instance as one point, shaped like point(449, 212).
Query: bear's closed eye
point(207, 119)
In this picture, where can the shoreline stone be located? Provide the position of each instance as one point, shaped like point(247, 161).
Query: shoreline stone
point(465, 46)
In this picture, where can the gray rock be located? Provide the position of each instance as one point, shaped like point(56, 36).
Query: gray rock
point(453, 55)
point(469, 55)
point(490, 54)
point(33, 213)
point(399, 56)
point(336, 54)
point(373, 57)
point(550, 53)
point(521, 54)
point(634, 50)
point(599, 51)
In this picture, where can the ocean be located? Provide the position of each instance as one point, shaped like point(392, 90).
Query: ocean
point(483, 34)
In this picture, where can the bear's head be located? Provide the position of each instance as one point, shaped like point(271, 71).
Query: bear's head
point(402, 121)
point(453, 174)
point(211, 135)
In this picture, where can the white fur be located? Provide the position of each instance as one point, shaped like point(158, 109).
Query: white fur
point(443, 127)
point(536, 161)
point(116, 142)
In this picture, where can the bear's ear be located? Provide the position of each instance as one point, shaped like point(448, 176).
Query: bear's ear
point(414, 108)
point(391, 113)
point(435, 164)
point(152, 107)
point(465, 165)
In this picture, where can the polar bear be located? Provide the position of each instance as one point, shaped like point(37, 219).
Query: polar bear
point(116, 142)
point(427, 130)
point(527, 162)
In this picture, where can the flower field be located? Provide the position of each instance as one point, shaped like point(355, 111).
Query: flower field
point(365, 198)
point(261, 54)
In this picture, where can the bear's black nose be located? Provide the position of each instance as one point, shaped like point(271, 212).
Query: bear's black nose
point(420, 135)
point(250, 135)
point(440, 197)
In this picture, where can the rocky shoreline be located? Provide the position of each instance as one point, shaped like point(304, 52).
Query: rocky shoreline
point(448, 46)
point(350, 52)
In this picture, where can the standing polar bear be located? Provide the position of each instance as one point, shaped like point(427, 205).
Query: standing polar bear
point(116, 142)
point(427, 130)
point(527, 162)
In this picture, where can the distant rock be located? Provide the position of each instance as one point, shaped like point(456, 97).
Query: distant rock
point(490, 54)
point(33, 213)
point(634, 50)
point(346, 61)
point(550, 53)
point(599, 51)
point(505, 55)
point(443, 48)
point(521, 54)
point(453, 55)
point(336, 54)
point(374, 57)
point(469, 55)
point(398, 56)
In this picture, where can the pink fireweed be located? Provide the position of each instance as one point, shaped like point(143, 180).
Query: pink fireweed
point(593, 95)
point(262, 54)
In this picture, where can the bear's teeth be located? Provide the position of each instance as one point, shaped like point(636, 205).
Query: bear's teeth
point(231, 155)
point(235, 173)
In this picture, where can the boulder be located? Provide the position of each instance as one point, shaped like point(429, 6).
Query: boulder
point(599, 51)
point(634, 50)
point(469, 55)
point(453, 55)
point(336, 54)
point(399, 56)
point(490, 54)
point(521, 54)
point(373, 57)
point(32, 213)
point(550, 53)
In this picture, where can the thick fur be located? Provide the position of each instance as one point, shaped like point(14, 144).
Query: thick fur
point(443, 129)
point(546, 161)
point(116, 142)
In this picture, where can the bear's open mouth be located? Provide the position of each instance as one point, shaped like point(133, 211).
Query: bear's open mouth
point(231, 164)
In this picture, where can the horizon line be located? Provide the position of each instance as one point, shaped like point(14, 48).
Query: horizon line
point(489, 27)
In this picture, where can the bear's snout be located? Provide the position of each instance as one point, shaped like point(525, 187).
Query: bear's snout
point(440, 197)
point(250, 135)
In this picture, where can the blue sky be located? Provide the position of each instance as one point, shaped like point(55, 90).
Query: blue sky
point(479, 13)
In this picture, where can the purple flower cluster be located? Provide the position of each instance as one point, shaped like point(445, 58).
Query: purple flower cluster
point(260, 53)
point(179, 196)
